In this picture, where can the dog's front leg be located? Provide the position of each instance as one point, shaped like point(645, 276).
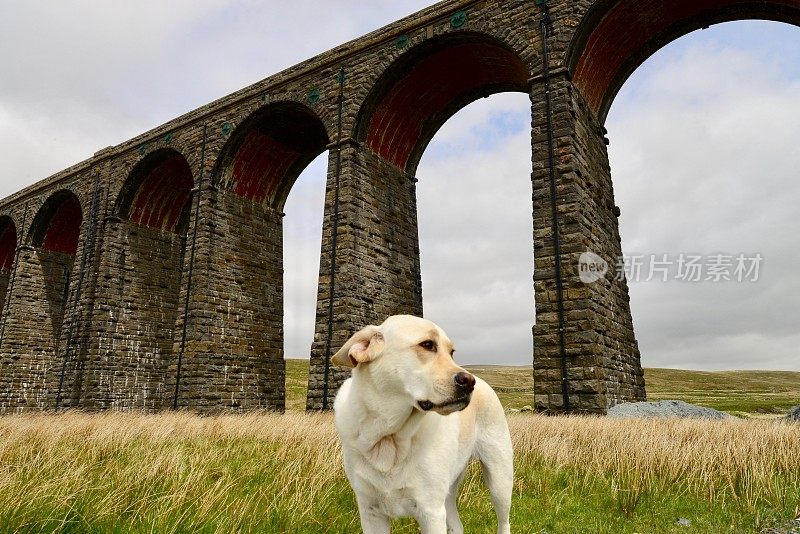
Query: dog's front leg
point(372, 520)
point(432, 520)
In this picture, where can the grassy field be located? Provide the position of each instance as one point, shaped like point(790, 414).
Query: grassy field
point(273, 473)
point(261, 472)
point(296, 384)
point(731, 391)
point(737, 392)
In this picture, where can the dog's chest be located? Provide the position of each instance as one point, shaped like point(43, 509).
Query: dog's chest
point(398, 492)
point(391, 496)
point(399, 503)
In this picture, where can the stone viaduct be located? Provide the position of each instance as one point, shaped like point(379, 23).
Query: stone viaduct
point(150, 275)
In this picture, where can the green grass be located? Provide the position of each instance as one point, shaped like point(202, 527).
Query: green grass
point(296, 384)
point(737, 392)
point(730, 391)
point(176, 473)
point(513, 384)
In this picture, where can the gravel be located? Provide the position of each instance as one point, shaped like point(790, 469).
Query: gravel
point(665, 408)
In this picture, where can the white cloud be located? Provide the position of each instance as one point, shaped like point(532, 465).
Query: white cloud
point(302, 231)
point(474, 197)
point(704, 156)
point(477, 282)
point(80, 75)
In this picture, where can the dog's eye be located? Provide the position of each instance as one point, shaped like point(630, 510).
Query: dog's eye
point(453, 353)
point(428, 345)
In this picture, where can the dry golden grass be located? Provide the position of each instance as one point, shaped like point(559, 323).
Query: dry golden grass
point(170, 472)
point(757, 462)
point(282, 473)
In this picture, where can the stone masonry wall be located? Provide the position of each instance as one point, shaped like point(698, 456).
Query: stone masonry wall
point(598, 330)
point(5, 279)
point(378, 247)
point(30, 343)
point(609, 299)
point(233, 356)
point(378, 270)
point(134, 318)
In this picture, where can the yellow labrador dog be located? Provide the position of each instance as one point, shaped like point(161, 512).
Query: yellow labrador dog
point(410, 419)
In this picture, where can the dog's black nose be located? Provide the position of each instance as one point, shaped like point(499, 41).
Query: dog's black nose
point(465, 381)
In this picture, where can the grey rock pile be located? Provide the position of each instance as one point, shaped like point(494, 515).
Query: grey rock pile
point(665, 408)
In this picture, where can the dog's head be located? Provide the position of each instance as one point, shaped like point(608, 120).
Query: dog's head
point(409, 359)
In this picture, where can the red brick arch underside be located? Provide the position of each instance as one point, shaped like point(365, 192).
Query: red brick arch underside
point(8, 243)
point(427, 85)
point(57, 225)
point(269, 150)
point(157, 192)
point(619, 35)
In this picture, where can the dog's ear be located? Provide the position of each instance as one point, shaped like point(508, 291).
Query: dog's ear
point(363, 347)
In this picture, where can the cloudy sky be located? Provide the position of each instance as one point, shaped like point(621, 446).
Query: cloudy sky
point(704, 150)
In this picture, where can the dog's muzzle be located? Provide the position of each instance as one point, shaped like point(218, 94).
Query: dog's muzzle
point(459, 403)
point(465, 384)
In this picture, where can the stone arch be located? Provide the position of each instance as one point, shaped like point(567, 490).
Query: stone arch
point(57, 225)
point(610, 41)
point(54, 235)
point(8, 251)
point(139, 295)
point(269, 150)
point(616, 37)
point(8, 242)
point(34, 315)
point(250, 181)
point(428, 84)
point(157, 191)
point(411, 98)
